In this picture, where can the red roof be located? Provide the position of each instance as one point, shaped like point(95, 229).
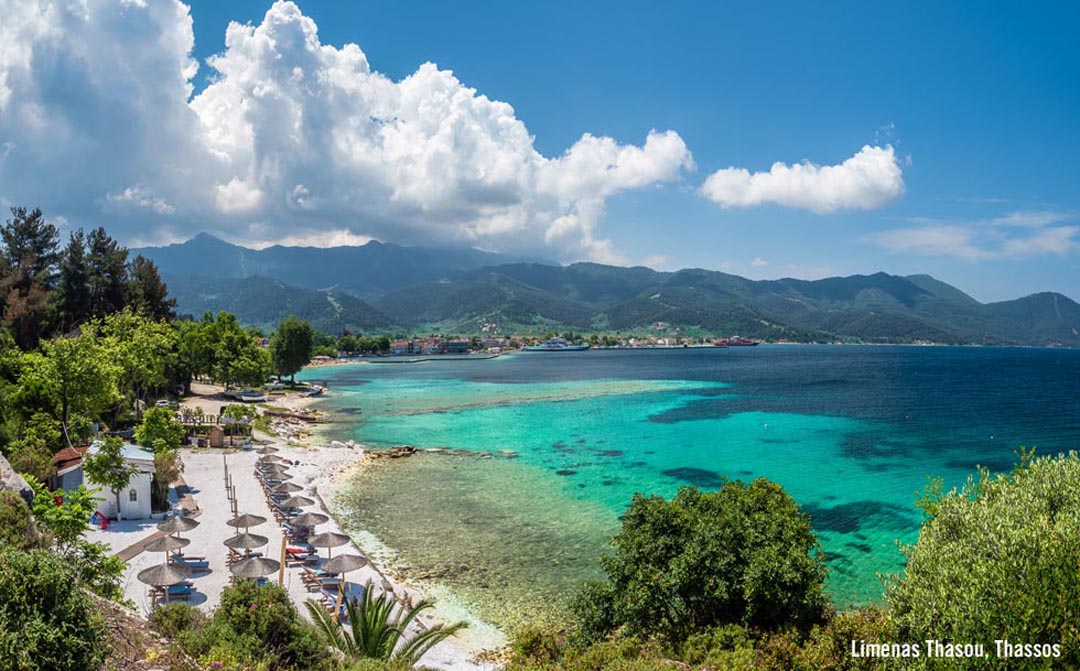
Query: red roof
point(69, 455)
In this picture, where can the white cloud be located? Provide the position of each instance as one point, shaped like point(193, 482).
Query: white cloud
point(137, 197)
point(867, 180)
point(1017, 234)
point(758, 262)
point(656, 261)
point(292, 138)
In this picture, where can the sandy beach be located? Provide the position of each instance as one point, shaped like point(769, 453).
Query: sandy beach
point(314, 468)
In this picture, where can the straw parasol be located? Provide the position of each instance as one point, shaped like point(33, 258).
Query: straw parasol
point(268, 459)
point(246, 541)
point(296, 502)
point(175, 525)
point(164, 575)
point(266, 450)
point(167, 544)
point(344, 563)
point(329, 540)
point(309, 519)
point(287, 488)
point(246, 520)
point(255, 567)
point(273, 468)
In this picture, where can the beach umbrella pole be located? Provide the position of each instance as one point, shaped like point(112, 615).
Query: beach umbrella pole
point(281, 573)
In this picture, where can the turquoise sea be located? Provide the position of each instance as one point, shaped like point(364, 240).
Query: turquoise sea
point(552, 446)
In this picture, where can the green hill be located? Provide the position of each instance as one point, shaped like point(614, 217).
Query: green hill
point(263, 302)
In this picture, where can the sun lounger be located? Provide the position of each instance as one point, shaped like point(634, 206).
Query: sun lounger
point(197, 564)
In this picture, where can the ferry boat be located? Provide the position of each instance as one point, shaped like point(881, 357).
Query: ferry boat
point(555, 345)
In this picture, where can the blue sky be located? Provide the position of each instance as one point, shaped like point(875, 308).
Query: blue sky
point(980, 109)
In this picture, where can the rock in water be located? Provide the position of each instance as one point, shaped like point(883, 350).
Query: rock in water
point(9, 479)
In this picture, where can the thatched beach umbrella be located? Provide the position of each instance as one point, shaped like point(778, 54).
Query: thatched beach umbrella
point(246, 541)
point(309, 519)
point(164, 575)
point(329, 540)
point(296, 502)
point(167, 544)
point(276, 469)
point(247, 520)
point(175, 525)
point(287, 488)
point(343, 564)
point(255, 567)
point(268, 459)
point(266, 450)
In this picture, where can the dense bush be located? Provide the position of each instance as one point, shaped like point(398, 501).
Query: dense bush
point(47, 622)
point(998, 559)
point(253, 628)
point(743, 555)
point(17, 530)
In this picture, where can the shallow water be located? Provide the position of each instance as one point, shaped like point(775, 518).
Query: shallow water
point(850, 432)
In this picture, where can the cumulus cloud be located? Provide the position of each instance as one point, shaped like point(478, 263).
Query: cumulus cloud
point(293, 139)
point(869, 179)
point(1013, 235)
point(758, 262)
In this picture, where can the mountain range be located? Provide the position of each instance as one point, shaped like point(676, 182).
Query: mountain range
point(385, 287)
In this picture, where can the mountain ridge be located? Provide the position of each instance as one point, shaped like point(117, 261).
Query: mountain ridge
point(383, 286)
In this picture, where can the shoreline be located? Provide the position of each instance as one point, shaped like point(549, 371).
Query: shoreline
point(482, 641)
point(320, 468)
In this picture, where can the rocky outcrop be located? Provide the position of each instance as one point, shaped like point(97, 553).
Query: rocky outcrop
point(9, 479)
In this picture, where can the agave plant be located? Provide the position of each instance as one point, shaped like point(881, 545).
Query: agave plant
point(378, 628)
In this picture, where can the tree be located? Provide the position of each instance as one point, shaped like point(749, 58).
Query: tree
point(107, 467)
point(237, 357)
point(63, 516)
point(743, 555)
point(291, 346)
point(106, 263)
point(167, 468)
point(996, 559)
point(142, 349)
point(195, 349)
point(159, 430)
point(31, 243)
point(378, 628)
point(78, 371)
point(72, 302)
point(147, 292)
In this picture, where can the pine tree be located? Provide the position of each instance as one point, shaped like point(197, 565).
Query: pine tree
point(106, 274)
point(147, 292)
point(29, 259)
point(72, 302)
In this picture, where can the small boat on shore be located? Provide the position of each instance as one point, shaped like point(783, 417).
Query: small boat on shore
point(555, 345)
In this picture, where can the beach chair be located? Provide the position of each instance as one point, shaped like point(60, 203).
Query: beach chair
point(194, 563)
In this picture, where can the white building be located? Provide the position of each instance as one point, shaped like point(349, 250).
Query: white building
point(135, 498)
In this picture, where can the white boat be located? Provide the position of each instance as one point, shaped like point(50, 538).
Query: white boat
point(555, 345)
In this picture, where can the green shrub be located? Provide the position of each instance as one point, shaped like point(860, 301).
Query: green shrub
point(17, 530)
point(744, 555)
point(998, 560)
point(253, 628)
point(47, 621)
point(174, 619)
